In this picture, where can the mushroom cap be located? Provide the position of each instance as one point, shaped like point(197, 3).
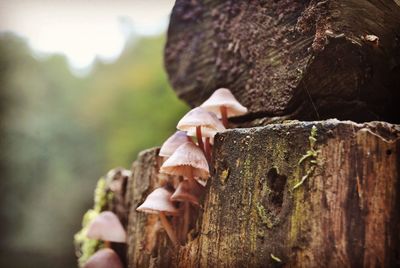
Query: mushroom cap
point(172, 143)
point(188, 161)
point(188, 190)
point(224, 97)
point(199, 117)
point(158, 201)
point(107, 227)
point(104, 258)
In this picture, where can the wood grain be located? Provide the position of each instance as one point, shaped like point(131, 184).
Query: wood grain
point(345, 214)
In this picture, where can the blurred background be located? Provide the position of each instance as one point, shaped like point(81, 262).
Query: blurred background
point(83, 90)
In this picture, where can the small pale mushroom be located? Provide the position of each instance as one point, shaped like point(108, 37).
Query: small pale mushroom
point(208, 141)
point(158, 202)
point(106, 227)
point(224, 104)
point(172, 143)
point(188, 190)
point(187, 161)
point(201, 123)
point(104, 258)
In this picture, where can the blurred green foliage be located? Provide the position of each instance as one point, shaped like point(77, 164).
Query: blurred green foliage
point(60, 133)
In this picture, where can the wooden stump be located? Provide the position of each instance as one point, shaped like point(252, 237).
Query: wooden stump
point(346, 213)
point(148, 245)
point(306, 60)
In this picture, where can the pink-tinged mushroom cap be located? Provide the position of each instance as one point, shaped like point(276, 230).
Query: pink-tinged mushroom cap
point(104, 258)
point(188, 190)
point(188, 161)
point(199, 117)
point(224, 97)
point(107, 227)
point(158, 201)
point(172, 143)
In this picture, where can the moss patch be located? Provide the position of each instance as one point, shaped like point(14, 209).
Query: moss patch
point(86, 247)
point(264, 216)
point(311, 154)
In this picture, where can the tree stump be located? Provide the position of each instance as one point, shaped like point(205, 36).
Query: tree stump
point(345, 213)
point(305, 60)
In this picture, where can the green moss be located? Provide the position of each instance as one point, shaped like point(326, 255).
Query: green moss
point(301, 210)
point(311, 154)
point(87, 247)
point(100, 195)
point(264, 216)
point(224, 175)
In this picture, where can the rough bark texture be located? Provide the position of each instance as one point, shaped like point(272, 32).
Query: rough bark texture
point(148, 245)
point(345, 214)
point(305, 60)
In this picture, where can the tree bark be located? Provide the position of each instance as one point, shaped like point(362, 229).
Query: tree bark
point(306, 60)
point(346, 213)
point(148, 244)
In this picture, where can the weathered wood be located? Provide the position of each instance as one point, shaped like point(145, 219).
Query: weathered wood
point(305, 60)
point(148, 245)
point(345, 214)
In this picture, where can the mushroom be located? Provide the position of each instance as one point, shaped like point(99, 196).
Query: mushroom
point(107, 227)
point(158, 202)
point(201, 123)
point(224, 104)
point(208, 142)
point(172, 143)
point(188, 161)
point(104, 258)
point(188, 190)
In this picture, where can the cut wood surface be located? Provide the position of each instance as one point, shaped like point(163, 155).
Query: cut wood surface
point(346, 213)
point(306, 60)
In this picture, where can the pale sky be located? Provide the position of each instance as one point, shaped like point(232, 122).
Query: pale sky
point(83, 29)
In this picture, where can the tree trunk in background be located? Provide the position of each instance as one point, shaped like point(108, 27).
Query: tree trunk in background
point(345, 214)
point(306, 60)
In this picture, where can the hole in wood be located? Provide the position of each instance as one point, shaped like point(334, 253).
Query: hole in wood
point(277, 184)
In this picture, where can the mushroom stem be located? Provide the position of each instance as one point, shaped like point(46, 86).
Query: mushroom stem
point(168, 228)
point(107, 244)
point(186, 217)
point(199, 138)
point(208, 150)
point(224, 115)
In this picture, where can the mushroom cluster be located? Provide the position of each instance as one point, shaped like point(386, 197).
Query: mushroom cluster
point(102, 227)
point(186, 156)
